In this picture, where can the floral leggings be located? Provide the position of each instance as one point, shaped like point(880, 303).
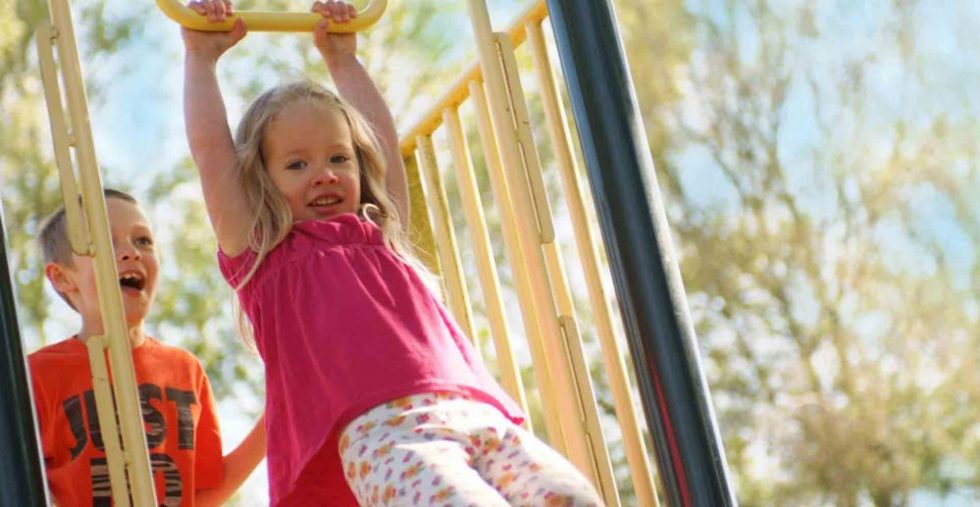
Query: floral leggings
point(444, 449)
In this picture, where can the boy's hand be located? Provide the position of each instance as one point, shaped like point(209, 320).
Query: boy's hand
point(212, 44)
point(334, 46)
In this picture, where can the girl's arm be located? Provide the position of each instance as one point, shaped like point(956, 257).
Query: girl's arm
point(339, 51)
point(237, 465)
point(207, 128)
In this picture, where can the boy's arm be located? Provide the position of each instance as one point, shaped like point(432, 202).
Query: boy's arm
point(339, 51)
point(208, 134)
point(237, 466)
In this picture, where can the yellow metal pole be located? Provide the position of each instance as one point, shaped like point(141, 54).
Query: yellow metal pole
point(574, 360)
point(420, 235)
point(528, 213)
point(512, 158)
point(570, 344)
point(531, 267)
point(486, 267)
point(266, 21)
point(452, 272)
point(531, 313)
point(81, 245)
point(106, 411)
point(636, 455)
point(78, 235)
point(574, 354)
point(126, 398)
point(529, 170)
point(458, 92)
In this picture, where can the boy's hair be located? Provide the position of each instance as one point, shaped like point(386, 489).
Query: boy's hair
point(272, 218)
point(55, 246)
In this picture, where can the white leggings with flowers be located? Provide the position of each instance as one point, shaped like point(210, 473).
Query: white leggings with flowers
point(444, 449)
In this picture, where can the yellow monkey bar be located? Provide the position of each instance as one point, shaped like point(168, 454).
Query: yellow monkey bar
point(265, 21)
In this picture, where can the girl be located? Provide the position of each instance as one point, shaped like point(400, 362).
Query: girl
point(368, 378)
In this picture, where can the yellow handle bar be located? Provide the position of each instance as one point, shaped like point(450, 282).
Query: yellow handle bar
point(266, 21)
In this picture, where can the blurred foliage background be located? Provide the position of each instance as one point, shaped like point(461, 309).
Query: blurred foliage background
point(818, 162)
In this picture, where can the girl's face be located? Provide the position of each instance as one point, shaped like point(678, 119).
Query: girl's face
point(310, 157)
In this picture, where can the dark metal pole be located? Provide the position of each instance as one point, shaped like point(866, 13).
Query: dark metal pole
point(21, 474)
point(637, 237)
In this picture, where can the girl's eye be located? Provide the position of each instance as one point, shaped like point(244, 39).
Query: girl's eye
point(145, 241)
point(296, 164)
point(339, 159)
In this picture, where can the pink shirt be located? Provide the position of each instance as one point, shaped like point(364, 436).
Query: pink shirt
point(344, 325)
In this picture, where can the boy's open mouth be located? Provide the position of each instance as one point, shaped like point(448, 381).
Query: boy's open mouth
point(132, 280)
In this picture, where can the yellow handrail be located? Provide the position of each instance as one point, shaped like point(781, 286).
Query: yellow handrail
point(459, 90)
point(267, 21)
point(89, 235)
point(454, 283)
point(613, 358)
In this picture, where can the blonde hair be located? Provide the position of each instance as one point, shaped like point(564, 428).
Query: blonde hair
point(272, 217)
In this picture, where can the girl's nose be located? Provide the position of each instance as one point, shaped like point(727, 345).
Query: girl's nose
point(325, 176)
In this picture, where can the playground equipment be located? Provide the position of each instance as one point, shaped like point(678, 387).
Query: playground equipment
point(88, 233)
point(692, 468)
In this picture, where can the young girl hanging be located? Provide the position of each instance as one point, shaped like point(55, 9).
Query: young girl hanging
point(374, 395)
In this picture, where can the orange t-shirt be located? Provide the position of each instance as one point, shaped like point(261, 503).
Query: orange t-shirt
point(182, 431)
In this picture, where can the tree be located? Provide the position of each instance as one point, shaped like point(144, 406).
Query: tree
point(818, 179)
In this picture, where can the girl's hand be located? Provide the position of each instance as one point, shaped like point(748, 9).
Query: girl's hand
point(212, 44)
point(334, 46)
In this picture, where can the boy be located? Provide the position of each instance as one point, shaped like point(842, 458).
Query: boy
point(178, 409)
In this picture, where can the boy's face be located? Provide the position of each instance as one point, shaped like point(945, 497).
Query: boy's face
point(136, 264)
